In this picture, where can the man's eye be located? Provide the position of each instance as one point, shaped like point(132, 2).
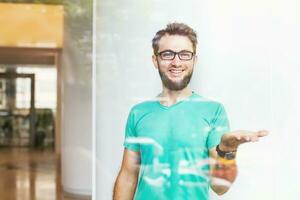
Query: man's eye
point(167, 54)
point(185, 54)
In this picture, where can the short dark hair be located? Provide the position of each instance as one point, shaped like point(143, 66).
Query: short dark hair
point(175, 29)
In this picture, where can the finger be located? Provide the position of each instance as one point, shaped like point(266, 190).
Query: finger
point(244, 139)
point(254, 139)
point(246, 134)
point(249, 138)
point(262, 133)
point(243, 135)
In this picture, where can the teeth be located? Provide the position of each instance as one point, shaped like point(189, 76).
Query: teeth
point(176, 71)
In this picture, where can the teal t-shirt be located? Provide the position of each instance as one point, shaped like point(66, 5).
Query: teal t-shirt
point(174, 145)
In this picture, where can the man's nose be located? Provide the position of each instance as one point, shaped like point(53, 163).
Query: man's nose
point(176, 61)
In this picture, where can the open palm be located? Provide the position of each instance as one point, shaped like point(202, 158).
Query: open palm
point(231, 141)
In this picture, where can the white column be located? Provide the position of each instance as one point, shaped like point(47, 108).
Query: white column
point(76, 149)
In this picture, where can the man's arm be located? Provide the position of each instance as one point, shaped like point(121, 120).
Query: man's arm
point(127, 179)
point(223, 172)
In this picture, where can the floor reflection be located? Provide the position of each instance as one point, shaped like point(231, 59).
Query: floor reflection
point(30, 175)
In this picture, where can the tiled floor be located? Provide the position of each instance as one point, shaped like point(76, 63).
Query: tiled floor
point(29, 175)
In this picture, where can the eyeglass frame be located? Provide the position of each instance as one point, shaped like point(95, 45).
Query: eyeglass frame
point(175, 53)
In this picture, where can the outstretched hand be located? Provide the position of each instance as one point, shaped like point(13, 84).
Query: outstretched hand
point(231, 141)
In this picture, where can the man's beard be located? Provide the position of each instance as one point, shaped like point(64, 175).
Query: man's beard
point(176, 86)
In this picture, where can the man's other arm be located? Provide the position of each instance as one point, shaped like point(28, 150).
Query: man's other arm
point(223, 172)
point(127, 179)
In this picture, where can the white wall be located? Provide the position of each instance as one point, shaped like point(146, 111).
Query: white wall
point(247, 60)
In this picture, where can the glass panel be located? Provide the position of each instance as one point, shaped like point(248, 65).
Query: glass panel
point(45, 87)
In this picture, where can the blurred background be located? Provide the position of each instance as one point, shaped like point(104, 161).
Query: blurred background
point(45, 99)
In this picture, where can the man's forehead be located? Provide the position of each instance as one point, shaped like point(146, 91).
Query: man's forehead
point(175, 42)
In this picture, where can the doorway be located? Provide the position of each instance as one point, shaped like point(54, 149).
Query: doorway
point(29, 98)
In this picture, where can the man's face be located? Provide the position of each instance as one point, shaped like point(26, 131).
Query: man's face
point(175, 74)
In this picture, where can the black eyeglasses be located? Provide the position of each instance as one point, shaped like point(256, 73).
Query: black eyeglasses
point(170, 55)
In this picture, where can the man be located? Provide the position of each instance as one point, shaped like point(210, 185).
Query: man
point(179, 145)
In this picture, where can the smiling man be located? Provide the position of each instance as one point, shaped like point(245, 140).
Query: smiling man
point(180, 144)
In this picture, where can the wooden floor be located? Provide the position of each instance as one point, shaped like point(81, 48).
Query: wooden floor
point(30, 175)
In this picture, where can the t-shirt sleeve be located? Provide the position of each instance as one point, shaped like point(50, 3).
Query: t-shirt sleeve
point(219, 126)
point(130, 141)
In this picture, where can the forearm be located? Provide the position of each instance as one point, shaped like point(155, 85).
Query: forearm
point(219, 189)
point(125, 187)
point(223, 174)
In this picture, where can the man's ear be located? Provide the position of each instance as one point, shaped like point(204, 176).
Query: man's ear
point(154, 60)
